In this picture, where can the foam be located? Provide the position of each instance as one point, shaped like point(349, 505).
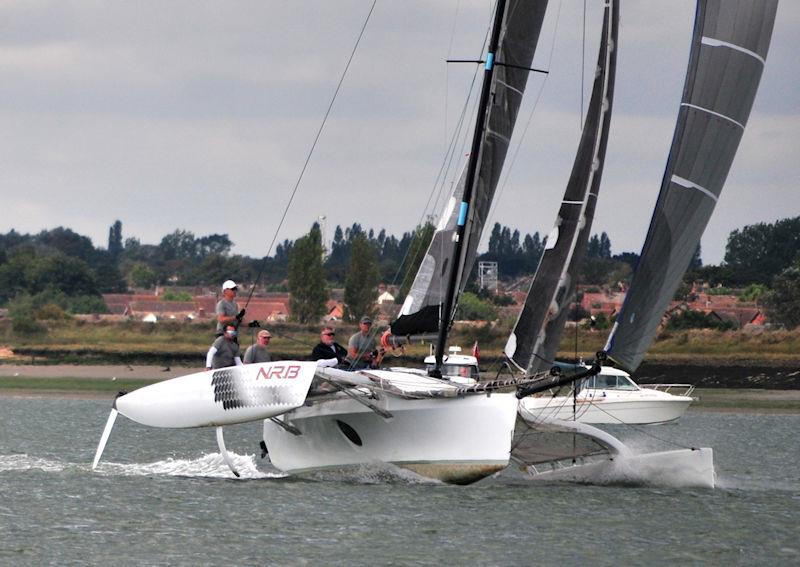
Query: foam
point(24, 462)
point(370, 473)
point(208, 466)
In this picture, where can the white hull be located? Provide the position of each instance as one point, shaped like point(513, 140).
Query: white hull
point(457, 440)
point(630, 410)
point(220, 397)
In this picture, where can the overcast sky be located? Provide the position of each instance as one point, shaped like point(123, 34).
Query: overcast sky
point(199, 115)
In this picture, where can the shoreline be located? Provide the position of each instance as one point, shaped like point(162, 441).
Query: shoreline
point(103, 382)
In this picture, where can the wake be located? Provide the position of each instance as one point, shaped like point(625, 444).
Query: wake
point(211, 465)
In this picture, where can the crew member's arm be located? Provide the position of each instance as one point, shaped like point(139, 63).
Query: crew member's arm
point(210, 356)
point(379, 358)
point(353, 354)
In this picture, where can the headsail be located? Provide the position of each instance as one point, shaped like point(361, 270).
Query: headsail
point(519, 34)
point(729, 48)
point(533, 343)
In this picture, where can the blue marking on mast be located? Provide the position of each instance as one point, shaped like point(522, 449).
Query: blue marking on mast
point(489, 61)
point(462, 214)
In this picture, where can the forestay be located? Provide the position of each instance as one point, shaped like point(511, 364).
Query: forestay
point(519, 35)
point(534, 341)
point(729, 48)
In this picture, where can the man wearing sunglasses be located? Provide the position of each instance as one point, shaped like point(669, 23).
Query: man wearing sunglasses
point(328, 347)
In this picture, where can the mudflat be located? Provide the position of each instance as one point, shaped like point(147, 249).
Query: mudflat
point(100, 371)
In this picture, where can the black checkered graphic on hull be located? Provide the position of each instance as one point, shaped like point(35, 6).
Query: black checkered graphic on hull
point(234, 388)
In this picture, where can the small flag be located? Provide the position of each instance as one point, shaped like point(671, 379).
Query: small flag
point(476, 352)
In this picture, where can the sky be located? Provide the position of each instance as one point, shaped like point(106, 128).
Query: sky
point(200, 115)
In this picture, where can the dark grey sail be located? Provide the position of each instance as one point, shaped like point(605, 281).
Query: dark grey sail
point(518, 36)
point(729, 49)
point(534, 340)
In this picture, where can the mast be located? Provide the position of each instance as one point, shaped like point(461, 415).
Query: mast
point(466, 199)
point(422, 312)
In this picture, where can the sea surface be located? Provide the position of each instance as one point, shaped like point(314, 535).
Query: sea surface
point(164, 497)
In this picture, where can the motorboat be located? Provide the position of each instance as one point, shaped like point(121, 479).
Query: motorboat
point(611, 397)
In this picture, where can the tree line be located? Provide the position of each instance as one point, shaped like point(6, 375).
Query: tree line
point(62, 267)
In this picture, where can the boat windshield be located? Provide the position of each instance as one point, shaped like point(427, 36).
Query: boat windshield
point(610, 382)
point(460, 370)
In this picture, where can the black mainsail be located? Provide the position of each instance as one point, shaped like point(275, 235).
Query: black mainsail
point(430, 304)
point(729, 49)
point(534, 340)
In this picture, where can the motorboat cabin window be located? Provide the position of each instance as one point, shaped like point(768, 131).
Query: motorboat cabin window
point(458, 370)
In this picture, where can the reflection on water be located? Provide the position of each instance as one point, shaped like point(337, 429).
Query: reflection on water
point(166, 497)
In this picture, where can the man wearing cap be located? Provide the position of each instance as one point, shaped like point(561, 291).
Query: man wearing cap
point(328, 348)
point(361, 350)
point(225, 350)
point(258, 352)
point(227, 310)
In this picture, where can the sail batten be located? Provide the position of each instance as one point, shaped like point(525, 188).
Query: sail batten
point(729, 48)
point(709, 111)
point(714, 42)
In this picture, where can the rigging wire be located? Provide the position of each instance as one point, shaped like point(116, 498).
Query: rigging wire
point(447, 68)
point(310, 152)
point(441, 177)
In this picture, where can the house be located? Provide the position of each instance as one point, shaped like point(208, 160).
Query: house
point(384, 296)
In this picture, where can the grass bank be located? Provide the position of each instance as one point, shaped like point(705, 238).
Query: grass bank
point(77, 342)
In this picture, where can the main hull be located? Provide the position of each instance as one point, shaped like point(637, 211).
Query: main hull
point(455, 440)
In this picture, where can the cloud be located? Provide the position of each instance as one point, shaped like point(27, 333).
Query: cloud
point(199, 116)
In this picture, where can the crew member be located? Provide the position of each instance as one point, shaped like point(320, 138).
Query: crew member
point(328, 348)
point(361, 349)
point(227, 310)
point(258, 352)
point(225, 350)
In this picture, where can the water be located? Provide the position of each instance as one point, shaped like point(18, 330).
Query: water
point(166, 497)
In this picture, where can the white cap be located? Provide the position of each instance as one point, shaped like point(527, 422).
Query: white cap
point(229, 284)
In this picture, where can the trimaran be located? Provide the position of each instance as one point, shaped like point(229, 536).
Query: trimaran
point(317, 417)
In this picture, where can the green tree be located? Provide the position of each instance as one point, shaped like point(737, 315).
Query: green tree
point(696, 320)
point(473, 308)
point(783, 302)
point(115, 240)
point(170, 295)
point(307, 278)
point(140, 275)
point(361, 283)
point(70, 275)
point(22, 312)
point(757, 253)
point(753, 292)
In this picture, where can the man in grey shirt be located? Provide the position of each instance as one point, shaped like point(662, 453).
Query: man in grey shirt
point(225, 351)
point(227, 310)
point(361, 351)
point(258, 352)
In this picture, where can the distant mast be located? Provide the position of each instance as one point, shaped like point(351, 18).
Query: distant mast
point(729, 50)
